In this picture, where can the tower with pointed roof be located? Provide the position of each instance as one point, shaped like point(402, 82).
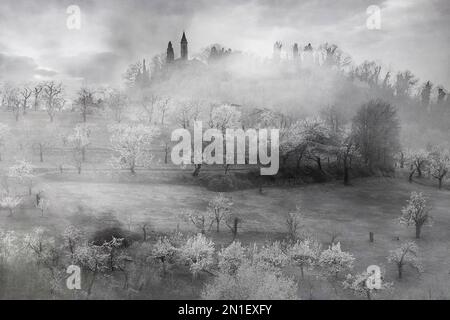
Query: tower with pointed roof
point(170, 54)
point(184, 47)
point(295, 51)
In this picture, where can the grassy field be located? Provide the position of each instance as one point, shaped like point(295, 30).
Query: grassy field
point(101, 197)
point(370, 205)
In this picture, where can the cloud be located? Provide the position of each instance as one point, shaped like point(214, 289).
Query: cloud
point(97, 68)
point(45, 72)
point(16, 68)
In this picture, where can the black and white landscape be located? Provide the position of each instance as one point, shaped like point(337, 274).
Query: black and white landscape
point(212, 149)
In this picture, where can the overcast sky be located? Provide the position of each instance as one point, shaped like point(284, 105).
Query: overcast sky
point(36, 44)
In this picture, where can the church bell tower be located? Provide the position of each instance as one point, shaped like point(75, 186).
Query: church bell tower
point(184, 47)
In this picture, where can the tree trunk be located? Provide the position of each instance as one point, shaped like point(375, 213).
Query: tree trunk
point(196, 170)
point(418, 229)
point(166, 155)
point(319, 164)
point(235, 228)
point(419, 172)
point(144, 231)
point(440, 183)
point(346, 173)
point(125, 280)
point(91, 284)
point(411, 174)
point(400, 271)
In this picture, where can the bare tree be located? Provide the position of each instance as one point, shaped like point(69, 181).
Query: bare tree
point(148, 103)
point(439, 164)
point(376, 131)
point(163, 106)
point(54, 101)
point(25, 94)
point(407, 253)
point(425, 94)
point(294, 223)
point(132, 73)
point(405, 81)
point(86, 102)
point(219, 208)
point(37, 92)
point(417, 160)
point(117, 103)
point(12, 101)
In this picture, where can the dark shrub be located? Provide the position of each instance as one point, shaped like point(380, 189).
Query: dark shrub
point(106, 235)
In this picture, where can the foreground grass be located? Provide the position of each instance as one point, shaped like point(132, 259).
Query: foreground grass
point(370, 205)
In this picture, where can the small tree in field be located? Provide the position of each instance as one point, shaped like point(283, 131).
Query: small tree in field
point(231, 258)
point(197, 218)
point(43, 206)
point(93, 259)
point(80, 139)
point(86, 102)
point(42, 248)
point(359, 284)
point(251, 282)
point(304, 254)
point(334, 261)
point(219, 208)
point(43, 138)
point(4, 133)
point(10, 247)
point(131, 144)
point(233, 221)
point(348, 151)
point(271, 256)
point(407, 253)
point(9, 203)
point(164, 252)
point(73, 237)
point(117, 103)
point(198, 253)
point(416, 213)
point(23, 171)
point(417, 159)
point(53, 98)
point(439, 165)
point(293, 223)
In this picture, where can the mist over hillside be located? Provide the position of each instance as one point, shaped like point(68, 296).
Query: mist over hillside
point(301, 86)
